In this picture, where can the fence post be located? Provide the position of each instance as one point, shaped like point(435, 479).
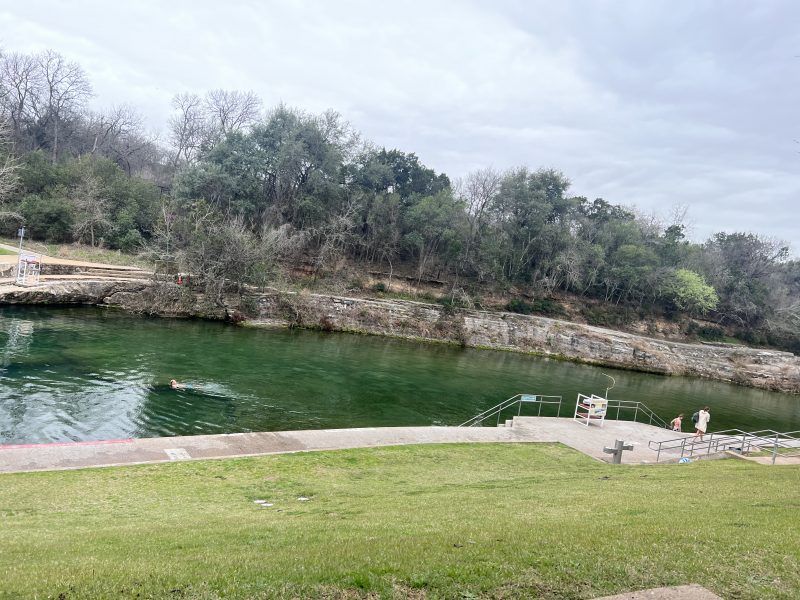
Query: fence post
point(775, 449)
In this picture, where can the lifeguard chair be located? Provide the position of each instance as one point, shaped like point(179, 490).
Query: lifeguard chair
point(29, 267)
point(590, 409)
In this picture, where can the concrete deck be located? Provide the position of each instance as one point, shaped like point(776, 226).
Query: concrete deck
point(767, 460)
point(682, 592)
point(75, 455)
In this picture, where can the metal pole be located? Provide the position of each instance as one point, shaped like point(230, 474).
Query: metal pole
point(613, 383)
point(775, 449)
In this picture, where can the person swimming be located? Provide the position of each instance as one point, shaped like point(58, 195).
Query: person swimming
point(176, 386)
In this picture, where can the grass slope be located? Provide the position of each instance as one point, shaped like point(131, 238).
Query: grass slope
point(452, 521)
point(79, 252)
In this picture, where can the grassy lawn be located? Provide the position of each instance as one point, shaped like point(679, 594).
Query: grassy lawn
point(79, 252)
point(6, 252)
point(454, 521)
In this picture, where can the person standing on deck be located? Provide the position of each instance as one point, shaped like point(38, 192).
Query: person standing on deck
point(703, 417)
point(676, 422)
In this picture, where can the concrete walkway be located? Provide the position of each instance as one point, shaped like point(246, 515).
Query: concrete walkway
point(681, 592)
point(75, 455)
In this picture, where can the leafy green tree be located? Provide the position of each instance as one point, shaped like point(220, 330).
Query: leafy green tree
point(48, 218)
point(531, 215)
point(689, 292)
point(741, 267)
point(434, 227)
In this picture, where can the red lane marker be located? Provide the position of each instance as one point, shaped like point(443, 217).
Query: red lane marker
point(13, 446)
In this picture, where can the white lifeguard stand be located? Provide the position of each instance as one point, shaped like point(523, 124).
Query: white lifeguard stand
point(590, 409)
point(29, 267)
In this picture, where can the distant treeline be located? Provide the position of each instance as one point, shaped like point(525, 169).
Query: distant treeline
point(235, 190)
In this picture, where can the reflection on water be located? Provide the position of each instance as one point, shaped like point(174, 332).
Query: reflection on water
point(87, 374)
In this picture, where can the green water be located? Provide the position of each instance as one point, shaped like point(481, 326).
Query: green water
point(86, 374)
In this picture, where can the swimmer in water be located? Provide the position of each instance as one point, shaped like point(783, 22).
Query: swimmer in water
point(176, 386)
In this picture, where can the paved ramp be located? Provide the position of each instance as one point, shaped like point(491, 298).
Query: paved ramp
point(75, 455)
point(591, 439)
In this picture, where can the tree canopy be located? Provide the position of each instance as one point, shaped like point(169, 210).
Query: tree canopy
point(255, 187)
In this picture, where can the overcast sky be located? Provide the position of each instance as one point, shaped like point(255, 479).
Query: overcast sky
point(645, 103)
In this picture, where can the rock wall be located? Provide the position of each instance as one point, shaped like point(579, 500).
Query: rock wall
point(520, 333)
point(770, 369)
point(70, 292)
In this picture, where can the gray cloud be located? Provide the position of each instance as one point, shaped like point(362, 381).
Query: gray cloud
point(648, 103)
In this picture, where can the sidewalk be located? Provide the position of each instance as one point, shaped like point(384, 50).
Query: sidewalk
point(75, 455)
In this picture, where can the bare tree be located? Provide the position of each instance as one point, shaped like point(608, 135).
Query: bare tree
point(8, 170)
point(108, 126)
point(91, 206)
point(118, 133)
point(229, 111)
point(22, 83)
point(335, 237)
point(65, 89)
point(478, 190)
point(186, 127)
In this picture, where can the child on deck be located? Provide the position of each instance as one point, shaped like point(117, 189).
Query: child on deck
point(676, 423)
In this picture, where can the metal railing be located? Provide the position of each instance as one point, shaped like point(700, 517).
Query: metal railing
point(620, 410)
point(518, 400)
point(765, 440)
point(639, 410)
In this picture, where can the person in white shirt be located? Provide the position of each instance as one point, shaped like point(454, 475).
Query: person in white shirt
point(703, 417)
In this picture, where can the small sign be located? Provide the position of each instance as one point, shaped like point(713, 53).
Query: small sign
point(177, 453)
point(529, 398)
point(20, 232)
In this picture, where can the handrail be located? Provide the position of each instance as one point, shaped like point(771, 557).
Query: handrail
point(637, 407)
point(743, 441)
point(519, 400)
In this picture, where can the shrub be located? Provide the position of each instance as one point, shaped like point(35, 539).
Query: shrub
point(519, 306)
point(541, 306)
point(710, 333)
point(607, 316)
point(47, 218)
point(325, 323)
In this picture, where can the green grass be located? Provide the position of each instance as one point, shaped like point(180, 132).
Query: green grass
point(6, 251)
point(454, 521)
point(81, 252)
